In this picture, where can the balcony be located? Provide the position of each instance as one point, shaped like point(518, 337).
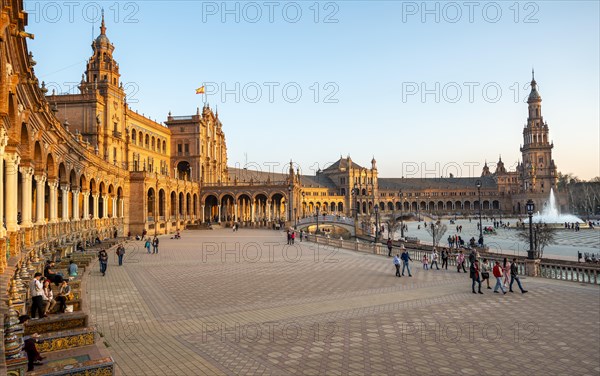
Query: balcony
point(117, 134)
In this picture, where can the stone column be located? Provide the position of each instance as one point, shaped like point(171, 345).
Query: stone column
point(105, 207)
point(53, 201)
point(219, 213)
point(75, 204)
point(96, 199)
point(27, 198)
point(65, 202)
point(252, 206)
point(269, 203)
point(11, 188)
point(122, 207)
point(86, 204)
point(40, 216)
point(3, 141)
point(235, 212)
point(202, 213)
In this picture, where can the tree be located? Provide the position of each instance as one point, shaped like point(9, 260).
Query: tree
point(543, 235)
point(436, 231)
point(393, 225)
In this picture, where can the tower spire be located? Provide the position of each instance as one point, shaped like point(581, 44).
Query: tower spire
point(102, 25)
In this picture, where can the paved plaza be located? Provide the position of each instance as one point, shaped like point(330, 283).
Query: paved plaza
point(239, 303)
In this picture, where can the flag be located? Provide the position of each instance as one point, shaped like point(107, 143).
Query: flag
point(200, 90)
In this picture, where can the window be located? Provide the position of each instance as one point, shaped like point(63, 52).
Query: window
point(187, 149)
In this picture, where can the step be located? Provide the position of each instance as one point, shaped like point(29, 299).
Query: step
point(85, 360)
point(57, 322)
point(65, 339)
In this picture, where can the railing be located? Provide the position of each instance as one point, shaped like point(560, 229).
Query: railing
point(327, 218)
point(576, 273)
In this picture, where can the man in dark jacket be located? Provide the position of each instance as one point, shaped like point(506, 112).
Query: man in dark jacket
point(514, 276)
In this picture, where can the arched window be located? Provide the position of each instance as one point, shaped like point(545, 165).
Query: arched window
point(133, 133)
point(147, 143)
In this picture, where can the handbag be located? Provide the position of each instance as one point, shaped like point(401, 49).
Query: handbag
point(485, 275)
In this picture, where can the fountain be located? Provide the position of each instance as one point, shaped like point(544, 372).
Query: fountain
point(551, 215)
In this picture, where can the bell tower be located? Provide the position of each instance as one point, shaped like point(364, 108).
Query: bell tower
point(102, 79)
point(538, 171)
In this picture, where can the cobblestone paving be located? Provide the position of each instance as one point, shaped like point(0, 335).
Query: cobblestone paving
point(218, 302)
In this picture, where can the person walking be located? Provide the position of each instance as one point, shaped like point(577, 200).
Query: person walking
point(120, 253)
point(147, 245)
point(514, 276)
point(434, 259)
point(103, 258)
point(460, 262)
point(301, 234)
point(506, 271)
point(36, 289)
point(155, 245)
point(485, 272)
point(475, 277)
point(397, 265)
point(497, 270)
point(425, 262)
point(444, 259)
point(405, 259)
point(389, 246)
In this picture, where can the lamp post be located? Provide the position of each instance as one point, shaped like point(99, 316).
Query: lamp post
point(376, 222)
point(418, 204)
point(317, 231)
point(530, 207)
point(303, 205)
point(401, 215)
point(156, 206)
point(478, 183)
point(433, 233)
point(290, 204)
point(354, 194)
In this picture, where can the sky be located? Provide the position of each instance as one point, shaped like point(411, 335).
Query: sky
point(426, 88)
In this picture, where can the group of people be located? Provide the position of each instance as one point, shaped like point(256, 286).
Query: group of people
point(154, 243)
point(506, 274)
point(42, 297)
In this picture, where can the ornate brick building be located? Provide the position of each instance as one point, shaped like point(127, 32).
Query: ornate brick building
point(79, 165)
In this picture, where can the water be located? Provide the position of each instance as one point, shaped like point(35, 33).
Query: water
point(567, 243)
point(550, 214)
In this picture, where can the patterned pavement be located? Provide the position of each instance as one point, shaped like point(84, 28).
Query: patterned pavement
point(219, 302)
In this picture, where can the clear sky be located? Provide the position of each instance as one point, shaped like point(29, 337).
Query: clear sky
point(422, 86)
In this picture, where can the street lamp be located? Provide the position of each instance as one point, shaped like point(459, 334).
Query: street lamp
point(354, 194)
point(530, 207)
point(433, 233)
point(376, 222)
point(316, 232)
point(478, 183)
point(401, 215)
point(418, 204)
point(303, 205)
point(290, 204)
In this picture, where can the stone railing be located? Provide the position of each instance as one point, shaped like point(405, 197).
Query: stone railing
point(552, 269)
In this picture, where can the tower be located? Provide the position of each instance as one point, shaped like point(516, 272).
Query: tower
point(537, 171)
point(102, 79)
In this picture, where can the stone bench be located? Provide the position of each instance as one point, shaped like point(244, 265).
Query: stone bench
point(65, 339)
point(55, 323)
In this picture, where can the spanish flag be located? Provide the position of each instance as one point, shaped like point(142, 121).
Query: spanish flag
point(200, 90)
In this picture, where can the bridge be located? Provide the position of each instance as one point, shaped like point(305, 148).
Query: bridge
point(327, 221)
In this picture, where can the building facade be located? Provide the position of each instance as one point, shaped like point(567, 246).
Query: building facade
point(76, 166)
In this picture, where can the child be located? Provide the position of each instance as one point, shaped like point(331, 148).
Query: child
point(425, 262)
